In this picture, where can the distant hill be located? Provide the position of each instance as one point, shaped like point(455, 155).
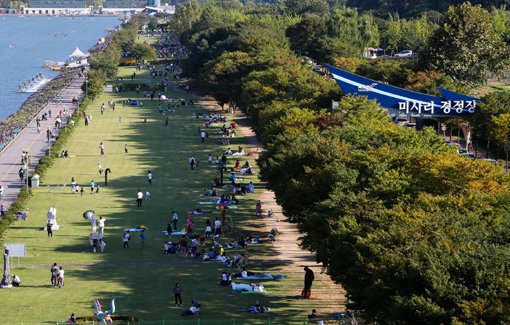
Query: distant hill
point(407, 8)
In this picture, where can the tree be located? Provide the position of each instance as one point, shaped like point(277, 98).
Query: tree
point(500, 132)
point(152, 25)
point(466, 47)
point(492, 105)
point(143, 52)
point(126, 38)
point(95, 82)
point(311, 7)
point(185, 16)
point(107, 61)
point(222, 77)
point(301, 35)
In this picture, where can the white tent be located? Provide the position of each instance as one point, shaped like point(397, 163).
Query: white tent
point(77, 54)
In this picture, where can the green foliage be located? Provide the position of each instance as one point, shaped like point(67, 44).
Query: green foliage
point(491, 106)
point(289, 81)
point(95, 82)
point(309, 7)
point(185, 16)
point(500, 132)
point(465, 47)
point(152, 25)
point(107, 61)
point(501, 22)
point(412, 34)
point(301, 35)
point(143, 52)
point(407, 8)
point(222, 77)
point(342, 33)
point(126, 37)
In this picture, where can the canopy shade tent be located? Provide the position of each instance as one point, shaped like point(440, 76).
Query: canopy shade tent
point(77, 54)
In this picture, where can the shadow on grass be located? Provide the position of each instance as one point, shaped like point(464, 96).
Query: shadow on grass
point(147, 292)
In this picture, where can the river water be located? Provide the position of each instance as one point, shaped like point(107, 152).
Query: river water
point(26, 42)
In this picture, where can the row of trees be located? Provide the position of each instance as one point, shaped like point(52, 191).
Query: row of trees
point(415, 233)
point(104, 65)
point(467, 43)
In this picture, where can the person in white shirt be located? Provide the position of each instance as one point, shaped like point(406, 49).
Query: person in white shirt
point(149, 177)
point(217, 226)
point(60, 277)
point(100, 223)
point(193, 310)
point(147, 195)
point(102, 245)
point(139, 197)
point(125, 239)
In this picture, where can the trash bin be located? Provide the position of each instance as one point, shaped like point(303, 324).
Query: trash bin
point(35, 181)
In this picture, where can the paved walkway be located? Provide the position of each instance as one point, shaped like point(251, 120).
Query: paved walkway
point(28, 138)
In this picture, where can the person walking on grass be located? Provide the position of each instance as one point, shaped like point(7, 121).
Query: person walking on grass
point(125, 148)
point(258, 209)
point(166, 122)
point(175, 217)
point(125, 239)
point(139, 197)
point(210, 160)
point(54, 274)
point(100, 223)
point(92, 186)
point(101, 146)
point(149, 177)
point(191, 162)
point(48, 229)
point(177, 294)
point(60, 277)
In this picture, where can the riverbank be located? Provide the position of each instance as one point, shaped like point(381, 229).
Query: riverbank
point(32, 107)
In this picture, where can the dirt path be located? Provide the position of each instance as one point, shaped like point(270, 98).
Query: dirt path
point(327, 297)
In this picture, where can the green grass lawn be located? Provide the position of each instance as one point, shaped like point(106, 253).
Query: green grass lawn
point(143, 291)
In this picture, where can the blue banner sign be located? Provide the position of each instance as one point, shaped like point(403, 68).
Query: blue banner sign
point(406, 101)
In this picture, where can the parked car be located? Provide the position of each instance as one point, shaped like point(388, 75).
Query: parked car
point(401, 120)
point(468, 155)
point(492, 161)
point(404, 54)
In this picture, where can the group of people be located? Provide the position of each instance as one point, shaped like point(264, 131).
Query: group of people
point(57, 276)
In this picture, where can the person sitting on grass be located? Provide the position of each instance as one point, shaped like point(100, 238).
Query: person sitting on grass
point(194, 309)
point(212, 254)
point(205, 193)
point(225, 259)
point(213, 191)
point(173, 248)
point(244, 274)
point(234, 200)
point(166, 247)
point(71, 319)
point(257, 308)
point(224, 279)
